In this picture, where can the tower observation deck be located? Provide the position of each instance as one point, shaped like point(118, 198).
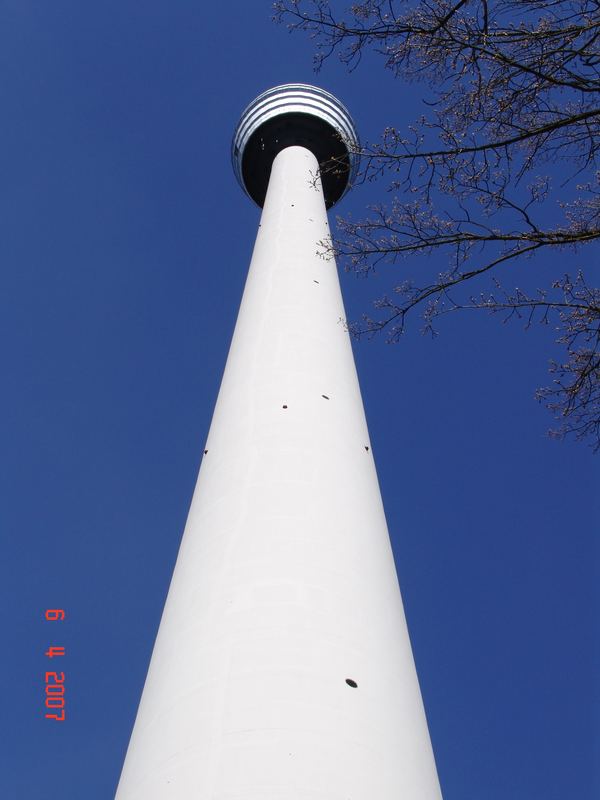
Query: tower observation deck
point(301, 116)
point(282, 668)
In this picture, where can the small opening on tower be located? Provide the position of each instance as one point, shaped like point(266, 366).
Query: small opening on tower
point(324, 396)
point(352, 683)
point(284, 406)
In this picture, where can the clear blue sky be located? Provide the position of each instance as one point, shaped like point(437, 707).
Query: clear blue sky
point(123, 250)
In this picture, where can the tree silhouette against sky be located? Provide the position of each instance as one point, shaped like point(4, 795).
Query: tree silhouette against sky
point(502, 167)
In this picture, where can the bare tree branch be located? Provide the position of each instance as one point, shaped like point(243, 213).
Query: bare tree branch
point(513, 101)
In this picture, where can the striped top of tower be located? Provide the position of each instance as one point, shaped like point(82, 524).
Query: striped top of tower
point(295, 114)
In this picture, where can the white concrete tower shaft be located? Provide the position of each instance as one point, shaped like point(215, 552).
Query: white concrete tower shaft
point(282, 669)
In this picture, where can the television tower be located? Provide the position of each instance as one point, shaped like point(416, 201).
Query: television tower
point(282, 669)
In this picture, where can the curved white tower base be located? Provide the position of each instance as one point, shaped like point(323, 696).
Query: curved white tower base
point(282, 669)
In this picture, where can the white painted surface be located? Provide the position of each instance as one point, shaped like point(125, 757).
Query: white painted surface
point(285, 582)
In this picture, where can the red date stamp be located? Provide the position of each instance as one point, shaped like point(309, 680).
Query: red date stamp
point(55, 681)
